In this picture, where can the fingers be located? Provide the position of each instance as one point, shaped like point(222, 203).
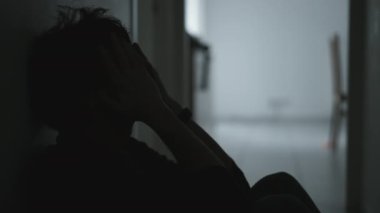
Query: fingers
point(150, 68)
point(129, 59)
point(153, 73)
point(121, 54)
point(106, 60)
point(116, 79)
point(139, 51)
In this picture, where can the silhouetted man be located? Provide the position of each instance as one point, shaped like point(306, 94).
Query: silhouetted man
point(91, 83)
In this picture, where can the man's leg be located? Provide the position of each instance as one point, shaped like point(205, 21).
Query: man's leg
point(281, 186)
point(279, 204)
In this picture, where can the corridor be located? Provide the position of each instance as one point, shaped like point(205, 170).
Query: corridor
point(294, 147)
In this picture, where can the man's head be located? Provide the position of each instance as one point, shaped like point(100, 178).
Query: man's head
point(66, 73)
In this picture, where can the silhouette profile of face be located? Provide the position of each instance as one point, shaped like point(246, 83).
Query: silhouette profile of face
point(65, 73)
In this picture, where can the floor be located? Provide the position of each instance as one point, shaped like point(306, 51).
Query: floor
point(298, 148)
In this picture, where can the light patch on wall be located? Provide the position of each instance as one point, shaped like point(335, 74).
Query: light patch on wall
point(193, 17)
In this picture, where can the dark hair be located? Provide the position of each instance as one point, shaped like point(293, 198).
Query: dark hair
point(64, 68)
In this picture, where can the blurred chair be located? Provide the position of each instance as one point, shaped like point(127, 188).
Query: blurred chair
point(339, 96)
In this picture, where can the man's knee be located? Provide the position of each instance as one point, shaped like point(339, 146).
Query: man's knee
point(280, 176)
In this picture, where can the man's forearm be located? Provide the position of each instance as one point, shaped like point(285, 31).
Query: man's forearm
point(207, 140)
point(211, 144)
point(214, 146)
point(204, 137)
point(188, 149)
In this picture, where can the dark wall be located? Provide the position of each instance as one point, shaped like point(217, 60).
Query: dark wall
point(371, 169)
point(364, 116)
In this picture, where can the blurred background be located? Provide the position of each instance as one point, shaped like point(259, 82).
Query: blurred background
point(281, 85)
point(265, 87)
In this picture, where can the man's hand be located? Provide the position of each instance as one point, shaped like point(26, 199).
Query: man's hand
point(141, 92)
point(131, 91)
point(169, 101)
